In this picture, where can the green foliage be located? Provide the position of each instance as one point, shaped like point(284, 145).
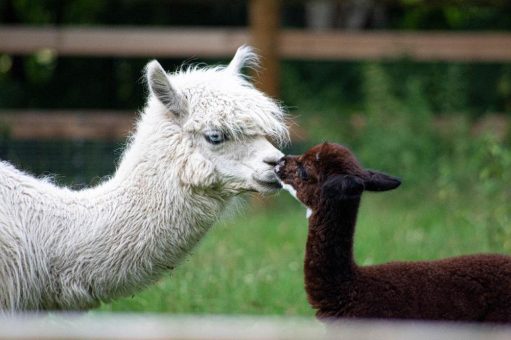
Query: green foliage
point(493, 188)
point(4, 140)
point(451, 91)
point(398, 134)
point(75, 163)
point(453, 15)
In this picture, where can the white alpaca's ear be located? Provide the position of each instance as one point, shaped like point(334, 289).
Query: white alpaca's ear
point(160, 86)
point(244, 57)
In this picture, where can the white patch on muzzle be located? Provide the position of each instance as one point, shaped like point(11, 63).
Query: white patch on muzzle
point(292, 191)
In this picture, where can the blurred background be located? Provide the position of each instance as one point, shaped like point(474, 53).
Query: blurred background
point(419, 89)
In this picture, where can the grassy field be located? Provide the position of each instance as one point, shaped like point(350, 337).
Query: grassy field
point(251, 263)
point(454, 199)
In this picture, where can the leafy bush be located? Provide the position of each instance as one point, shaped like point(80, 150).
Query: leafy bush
point(493, 189)
point(399, 134)
point(4, 139)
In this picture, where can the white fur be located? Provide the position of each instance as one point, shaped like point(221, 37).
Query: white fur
point(289, 188)
point(64, 249)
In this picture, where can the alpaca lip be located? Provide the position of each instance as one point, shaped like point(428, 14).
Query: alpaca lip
point(268, 184)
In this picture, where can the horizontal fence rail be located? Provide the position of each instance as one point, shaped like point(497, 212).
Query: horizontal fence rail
point(67, 124)
point(433, 46)
point(78, 124)
point(147, 326)
point(109, 125)
point(222, 42)
point(121, 42)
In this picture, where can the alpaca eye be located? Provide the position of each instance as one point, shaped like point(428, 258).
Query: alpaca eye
point(302, 173)
point(215, 137)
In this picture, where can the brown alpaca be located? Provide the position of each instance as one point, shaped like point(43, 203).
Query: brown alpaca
point(329, 181)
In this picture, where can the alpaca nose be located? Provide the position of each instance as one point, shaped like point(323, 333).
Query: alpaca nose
point(281, 162)
point(279, 165)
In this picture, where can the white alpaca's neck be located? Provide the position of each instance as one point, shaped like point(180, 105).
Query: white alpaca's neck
point(139, 224)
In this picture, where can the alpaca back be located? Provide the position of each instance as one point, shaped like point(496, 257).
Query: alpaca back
point(466, 288)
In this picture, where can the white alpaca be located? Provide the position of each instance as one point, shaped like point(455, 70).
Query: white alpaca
point(200, 140)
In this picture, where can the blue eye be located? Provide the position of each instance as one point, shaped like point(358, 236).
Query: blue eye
point(215, 137)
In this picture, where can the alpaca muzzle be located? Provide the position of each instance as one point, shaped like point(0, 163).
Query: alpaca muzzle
point(278, 168)
point(267, 180)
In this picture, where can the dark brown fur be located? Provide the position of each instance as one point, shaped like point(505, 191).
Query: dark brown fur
point(329, 180)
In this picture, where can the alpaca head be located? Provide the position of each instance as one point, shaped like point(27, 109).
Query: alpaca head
point(304, 176)
point(218, 124)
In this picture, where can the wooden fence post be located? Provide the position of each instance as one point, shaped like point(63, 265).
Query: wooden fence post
point(264, 16)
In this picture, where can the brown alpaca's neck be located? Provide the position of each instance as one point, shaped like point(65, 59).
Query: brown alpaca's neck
point(329, 251)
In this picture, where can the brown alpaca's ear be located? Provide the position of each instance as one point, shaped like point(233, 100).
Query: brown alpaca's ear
point(378, 181)
point(321, 149)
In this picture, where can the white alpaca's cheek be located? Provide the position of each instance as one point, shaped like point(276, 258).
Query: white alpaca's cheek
point(246, 164)
point(198, 171)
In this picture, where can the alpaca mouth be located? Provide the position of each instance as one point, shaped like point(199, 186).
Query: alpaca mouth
point(272, 185)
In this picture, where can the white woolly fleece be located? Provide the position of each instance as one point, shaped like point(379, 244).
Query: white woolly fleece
point(64, 249)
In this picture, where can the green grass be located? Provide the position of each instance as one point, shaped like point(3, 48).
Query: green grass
point(252, 263)
point(249, 264)
point(453, 201)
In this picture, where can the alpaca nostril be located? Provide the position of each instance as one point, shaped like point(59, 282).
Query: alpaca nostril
point(281, 162)
point(279, 165)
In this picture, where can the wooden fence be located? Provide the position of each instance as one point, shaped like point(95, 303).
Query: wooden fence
point(264, 33)
point(291, 44)
point(67, 124)
point(147, 326)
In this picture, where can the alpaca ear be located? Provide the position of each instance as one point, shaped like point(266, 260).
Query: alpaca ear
point(160, 86)
point(323, 146)
point(244, 56)
point(378, 181)
point(342, 186)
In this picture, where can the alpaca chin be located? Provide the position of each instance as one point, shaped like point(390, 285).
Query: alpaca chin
point(266, 181)
point(292, 191)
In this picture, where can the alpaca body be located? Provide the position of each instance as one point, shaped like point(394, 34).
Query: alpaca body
point(473, 288)
point(200, 141)
point(465, 288)
point(468, 288)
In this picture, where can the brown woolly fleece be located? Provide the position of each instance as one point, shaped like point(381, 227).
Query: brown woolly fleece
point(329, 180)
